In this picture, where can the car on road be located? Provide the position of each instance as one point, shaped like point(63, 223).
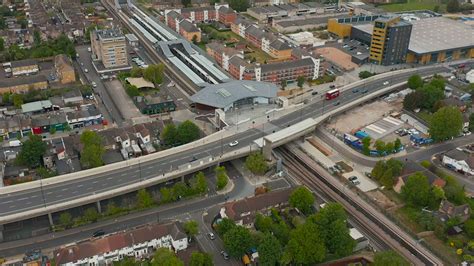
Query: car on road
point(225, 255)
point(386, 83)
point(193, 159)
point(364, 91)
point(86, 70)
point(94, 84)
point(355, 90)
point(211, 236)
point(337, 103)
point(98, 233)
point(314, 93)
point(89, 49)
point(234, 143)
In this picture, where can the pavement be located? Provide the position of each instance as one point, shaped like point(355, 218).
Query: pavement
point(106, 104)
point(18, 202)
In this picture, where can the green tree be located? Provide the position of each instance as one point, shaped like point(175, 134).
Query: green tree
point(384, 258)
point(436, 8)
point(269, 251)
point(469, 228)
point(201, 259)
point(167, 195)
point(2, 44)
point(397, 144)
point(366, 145)
point(186, 3)
point(37, 38)
point(191, 228)
point(256, 163)
point(281, 230)
point(263, 223)
point(283, 84)
point(222, 178)
point(302, 199)
point(306, 246)
point(380, 146)
point(413, 100)
point(144, 199)
point(169, 134)
point(136, 72)
point(431, 94)
point(333, 229)
point(200, 183)
point(389, 147)
point(239, 5)
point(127, 261)
point(446, 123)
point(32, 150)
point(453, 6)
point(91, 156)
point(224, 226)
point(237, 241)
point(454, 191)
point(91, 214)
point(166, 257)
point(65, 219)
point(154, 73)
point(471, 122)
point(17, 100)
point(187, 132)
point(417, 190)
point(365, 74)
point(414, 82)
point(300, 81)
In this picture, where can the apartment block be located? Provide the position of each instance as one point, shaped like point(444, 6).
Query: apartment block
point(223, 54)
point(110, 47)
point(390, 40)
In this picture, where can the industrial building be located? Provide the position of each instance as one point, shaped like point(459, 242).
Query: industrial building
point(390, 39)
point(109, 47)
point(432, 39)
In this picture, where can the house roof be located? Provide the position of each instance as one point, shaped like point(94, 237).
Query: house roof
point(280, 45)
point(10, 82)
point(223, 95)
point(188, 26)
point(253, 204)
point(287, 65)
point(97, 246)
point(254, 31)
point(451, 210)
point(36, 106)
point(175, 15)
point(410, 167)
point(26, 62)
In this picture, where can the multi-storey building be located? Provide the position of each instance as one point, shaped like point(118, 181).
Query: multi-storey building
point(219, 12)
point(223, 54)
point(110, 47)
point(390, 40)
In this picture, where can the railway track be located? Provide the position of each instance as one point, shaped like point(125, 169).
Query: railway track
point(370, 220)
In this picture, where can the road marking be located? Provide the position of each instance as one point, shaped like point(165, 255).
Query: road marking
point(124, 174)
point(108, 178)
point(29, 202)
point(7, 201)
point(89, 188)
point(64, 189)
point(23, 199)
point(80, 185)
point(59, 196)
point(95, 182)
point(34, 196)
point(49, 193)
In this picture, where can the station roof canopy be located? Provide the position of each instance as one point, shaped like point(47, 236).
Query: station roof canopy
point(222, 95)
point(140, 83)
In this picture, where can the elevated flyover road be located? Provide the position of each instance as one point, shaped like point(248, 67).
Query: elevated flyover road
point(58, 193)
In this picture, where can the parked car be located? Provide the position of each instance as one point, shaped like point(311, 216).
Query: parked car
point(386, 83)
point(337, 103)
point(314, 93)
point(355, 90)
point(86, 70)
point(94, 84)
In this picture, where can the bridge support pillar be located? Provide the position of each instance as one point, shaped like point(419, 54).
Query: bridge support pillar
point(182, 178)
point(99, 207)
point(50, 217)
point(1, 233)
point(267, 149)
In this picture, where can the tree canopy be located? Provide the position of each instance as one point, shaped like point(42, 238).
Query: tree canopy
point(144, 199)
point(306, 246)
point(387, 171)
point(446, 123)
point(201, 259)
point(154, 73)
point(166, 257)
point(191, 228)
point(239, 5)
point(414, 82)
point(187, 132)
point(237, 241)
point(32, 150)
point(256, 163)
point(302, 199)
point(270, 250)
point(92, 152)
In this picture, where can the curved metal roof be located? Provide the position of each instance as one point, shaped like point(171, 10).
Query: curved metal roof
point(224, 94)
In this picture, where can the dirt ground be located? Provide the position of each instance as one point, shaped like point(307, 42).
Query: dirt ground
point(363, 115)
point(381, 199)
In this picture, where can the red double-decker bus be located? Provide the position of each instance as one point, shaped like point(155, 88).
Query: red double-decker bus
point(332, 94)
